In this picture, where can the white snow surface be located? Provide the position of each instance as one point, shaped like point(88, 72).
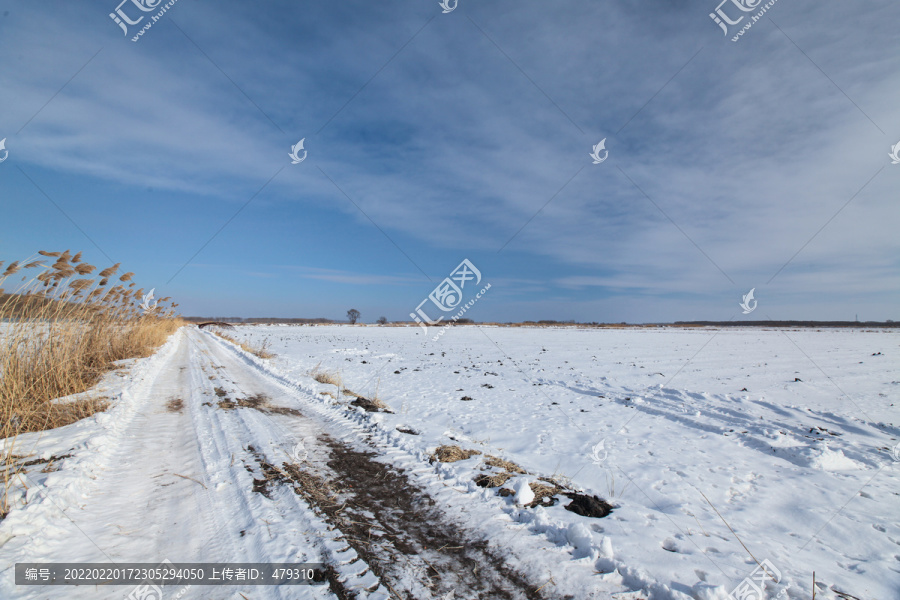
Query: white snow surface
point(791, 435)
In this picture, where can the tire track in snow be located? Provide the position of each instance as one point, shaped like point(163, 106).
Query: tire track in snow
point(390, 522)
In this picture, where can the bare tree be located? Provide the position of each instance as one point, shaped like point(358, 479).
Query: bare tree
point(382, 320)
point(353, 315)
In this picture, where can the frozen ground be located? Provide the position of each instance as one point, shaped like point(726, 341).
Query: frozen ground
point(789, 434)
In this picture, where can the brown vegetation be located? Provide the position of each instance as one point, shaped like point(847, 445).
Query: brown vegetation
point(451, 454)
point(60, 331)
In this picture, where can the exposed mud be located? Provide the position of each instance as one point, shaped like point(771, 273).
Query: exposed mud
point(588, 506)
point(395, 527)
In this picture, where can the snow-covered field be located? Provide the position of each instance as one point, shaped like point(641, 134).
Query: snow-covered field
point(800, 464)
point(791, 435)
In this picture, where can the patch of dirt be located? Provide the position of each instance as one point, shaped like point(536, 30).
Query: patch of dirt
point(448, 454)
point(41, 461)
point(270, 474)
point(375, 405)
point(258, 402)
point(406, 523)
point(408, 430)
point(175, 405)
point(466, 398)
point(283, 410)
point(391, 524)
point(220, 392)
point(588, 506)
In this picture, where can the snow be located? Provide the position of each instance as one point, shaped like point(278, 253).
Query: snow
point(657, 422)
point(522, 487)
point(799, 465)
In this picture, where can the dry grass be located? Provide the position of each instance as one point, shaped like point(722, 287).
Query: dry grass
point(451, 454)
point(328, 377)
point(493, 480)
point(370, 404)
point(542, 491)
point(494, 461)
point(260, 352)
point(62, 331)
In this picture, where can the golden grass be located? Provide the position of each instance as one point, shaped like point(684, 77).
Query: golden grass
point(61, 332)
point(370, 404)
point(542, 491)
point(493, 480)
point(451, 454)
point(495, 461)
point(328, 377)
point(261, 352)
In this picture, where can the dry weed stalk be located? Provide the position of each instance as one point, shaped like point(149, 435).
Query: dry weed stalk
point(261, 352)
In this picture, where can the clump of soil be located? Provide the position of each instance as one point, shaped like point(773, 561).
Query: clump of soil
point(175, 405)
point(406, 429)
point(466, 398)
point(447, 454)
point(588, 506)
point(220, 392)
point(375, 405)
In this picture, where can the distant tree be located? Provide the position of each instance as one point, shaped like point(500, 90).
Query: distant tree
point(353, 315)
point(382, 320)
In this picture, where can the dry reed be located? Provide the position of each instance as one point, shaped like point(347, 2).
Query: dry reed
point(58, 336)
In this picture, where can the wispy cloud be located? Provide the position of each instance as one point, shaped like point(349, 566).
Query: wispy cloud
point(750, 150)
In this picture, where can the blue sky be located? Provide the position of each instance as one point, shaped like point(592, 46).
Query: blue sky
point(435, 137)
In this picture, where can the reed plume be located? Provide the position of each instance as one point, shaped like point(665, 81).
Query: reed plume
point(58, 336)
